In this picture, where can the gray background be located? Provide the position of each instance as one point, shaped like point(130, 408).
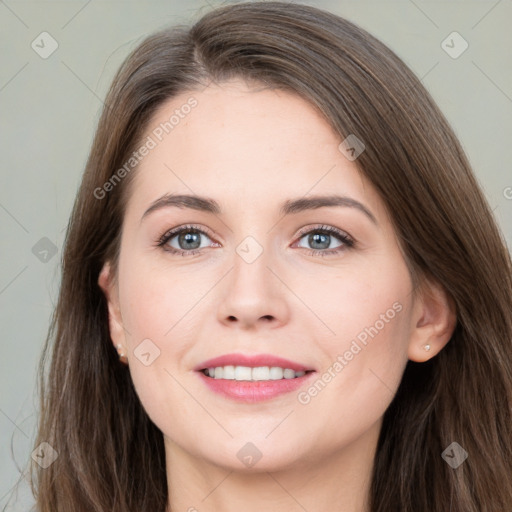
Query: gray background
point(50, 107)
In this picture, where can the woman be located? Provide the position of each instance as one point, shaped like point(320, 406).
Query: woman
point(254, 368)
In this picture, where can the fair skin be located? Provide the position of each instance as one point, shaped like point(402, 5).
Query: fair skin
point(251, 150)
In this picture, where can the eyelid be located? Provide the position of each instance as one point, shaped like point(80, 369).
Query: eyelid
point(323, 227)
point(176, 230)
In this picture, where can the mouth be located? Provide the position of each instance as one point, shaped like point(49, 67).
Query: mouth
point(253, 378)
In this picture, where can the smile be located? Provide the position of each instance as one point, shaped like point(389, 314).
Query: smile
point(246, 373)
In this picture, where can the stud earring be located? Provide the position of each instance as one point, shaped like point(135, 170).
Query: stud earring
point(427, 347)
point(122, 354)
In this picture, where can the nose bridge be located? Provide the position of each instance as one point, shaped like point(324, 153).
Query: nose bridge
point(250, 267)
point(253, 252)
point(252, 290)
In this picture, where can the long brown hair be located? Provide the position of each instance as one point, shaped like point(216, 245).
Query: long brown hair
point(111, 456)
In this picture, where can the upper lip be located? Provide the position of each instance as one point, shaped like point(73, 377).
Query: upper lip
point(252, 361)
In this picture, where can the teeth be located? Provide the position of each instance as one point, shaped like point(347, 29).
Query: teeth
point(248, 373)
point(227, 373)
point(241, 373)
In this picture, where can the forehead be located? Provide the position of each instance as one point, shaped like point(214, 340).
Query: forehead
point(244, 144)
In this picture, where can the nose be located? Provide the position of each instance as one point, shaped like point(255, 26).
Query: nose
point(253, 293)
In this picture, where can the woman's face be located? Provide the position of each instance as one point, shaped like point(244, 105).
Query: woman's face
point(266, 274)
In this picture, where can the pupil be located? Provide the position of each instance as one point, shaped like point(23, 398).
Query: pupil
point(315, 238)
point(188, 238)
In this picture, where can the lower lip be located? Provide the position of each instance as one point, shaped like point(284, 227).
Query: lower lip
point(254, 391)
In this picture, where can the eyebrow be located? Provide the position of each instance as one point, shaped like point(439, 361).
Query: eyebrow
point(291, 206)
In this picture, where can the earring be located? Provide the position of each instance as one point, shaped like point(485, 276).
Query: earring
point(122, 354)
point(427, 347)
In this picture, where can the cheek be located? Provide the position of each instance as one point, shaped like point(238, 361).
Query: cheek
point(156, 299)
point(362, 374)
point(367, 303)
point(370, 314)
point(157, 306)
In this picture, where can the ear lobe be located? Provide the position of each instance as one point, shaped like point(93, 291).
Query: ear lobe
point(434, 320)
point(107, 283)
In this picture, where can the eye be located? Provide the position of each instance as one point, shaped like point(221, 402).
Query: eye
point(186, 238)
point(320, 239)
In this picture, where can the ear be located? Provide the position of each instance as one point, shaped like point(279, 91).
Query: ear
point(108, 284)
point(434, 320)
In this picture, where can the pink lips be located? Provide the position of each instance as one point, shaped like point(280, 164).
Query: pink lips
point(253, 391)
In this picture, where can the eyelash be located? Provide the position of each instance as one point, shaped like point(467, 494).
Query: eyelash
point(347, 241)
